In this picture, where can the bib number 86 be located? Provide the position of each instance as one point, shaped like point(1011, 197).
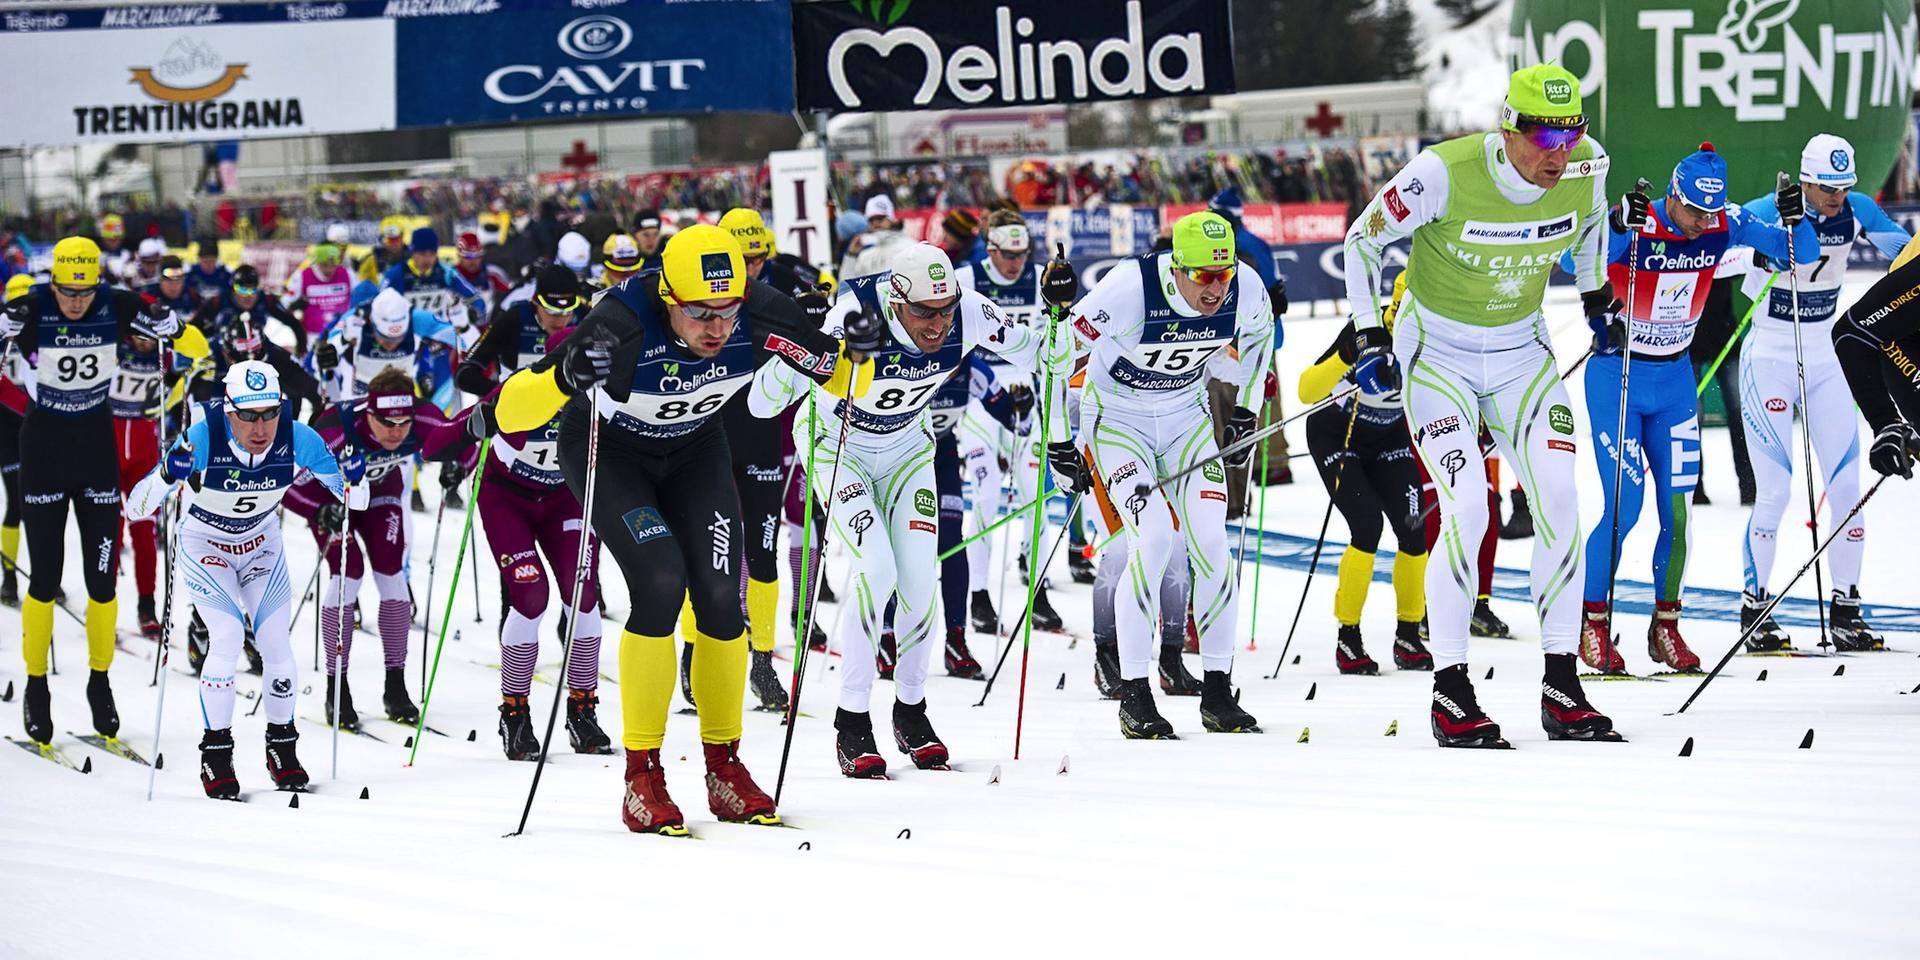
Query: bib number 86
point(677, 409)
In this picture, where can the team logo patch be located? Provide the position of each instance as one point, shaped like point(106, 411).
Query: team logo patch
point(1558, 91)
point(256, 380)
point(1213, 495)
point(850, 491)
point(1554, 443)
point(1840, 160)
point(527, 572)
point(1776, 405)
point(922, 526)
point(1439, 428)
point(1214, 471)
point(1213, 230)
point(645, 523)
point(1560, 418)
point(1088, 331)
point(936, 272)
point(923, 502)
point(1395, 205)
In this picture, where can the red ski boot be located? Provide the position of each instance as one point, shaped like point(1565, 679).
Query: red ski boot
point(853, 743)
point(1564, 710)
point(1456, 717)
point(1597, 649)
point(1663, 639)
point(1350, 655)
point(731, 793)
point(647, 808)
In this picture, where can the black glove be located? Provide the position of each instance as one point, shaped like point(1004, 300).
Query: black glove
point(1603, 317)
point(1069, 469)
point(330, 518)
point(452, 474)
point(327, 356)
point(481, 423)
point(588, 363)
point(1632, 214)
point(1791, 200)
point(814, 305)
point(863, 332)
point(1278, 294)
point(1892, 451)
point(1241, 424)
point(164, 321)
point(1059, 284)
point(1374, 370)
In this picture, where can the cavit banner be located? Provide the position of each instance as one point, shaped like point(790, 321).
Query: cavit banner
point(938, 54)
point(211, 80)
point(529, 61)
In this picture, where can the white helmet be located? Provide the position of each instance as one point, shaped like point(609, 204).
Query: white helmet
point(391, 314)
point(922, 272)
point(250, 384)
point(338, 234)
point(153, 248)
point(1828, 160)
point(574, 252)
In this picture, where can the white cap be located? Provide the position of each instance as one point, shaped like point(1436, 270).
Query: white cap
point(575, 252)
point(338, 234)
point(153, 248)
point(922, 272)
point(391, 314)
point(1009, 238)
point(251, 383)
point(1828, 160)
point(879, 205)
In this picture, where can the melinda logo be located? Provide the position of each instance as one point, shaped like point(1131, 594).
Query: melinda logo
point(1024, 69)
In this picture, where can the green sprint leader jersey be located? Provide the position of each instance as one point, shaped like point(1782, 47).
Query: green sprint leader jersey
point(1484, 239)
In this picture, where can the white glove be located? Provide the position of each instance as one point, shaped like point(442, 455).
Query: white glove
point(165, 321)
point(459, 317)
point(13, 320)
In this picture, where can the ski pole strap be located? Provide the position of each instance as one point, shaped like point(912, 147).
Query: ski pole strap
point(1707, 377)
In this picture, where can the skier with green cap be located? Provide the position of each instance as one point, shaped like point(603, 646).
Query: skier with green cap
point(1489, 215)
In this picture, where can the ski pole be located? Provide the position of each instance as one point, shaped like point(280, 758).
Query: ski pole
point(1057, 540)
point(1766, 611)
point(1016, 514)
point(1707, 376)
point(466, 531)
point(1313, 565)
point(166, 642)
point(1259, 550)
point(1036, 567)
point(1620, 437)
point(342, 629)
point(1806, 423)
point(1245, 443)
point(474, 549)
point(433, 563)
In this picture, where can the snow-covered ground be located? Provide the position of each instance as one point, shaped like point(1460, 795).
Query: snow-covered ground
point(1347, 840)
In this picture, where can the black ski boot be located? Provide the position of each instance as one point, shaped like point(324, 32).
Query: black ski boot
point(1079, 564)
point(283, 764)
point(400, 708)
point(1768, 637)
point(1456, 718)
point(36, 710)
point(1409, 652)
point(1044, 617)
point(1175, 680)
point(10, 587)
point(915, 737)
point(106, 720)
point(1564, 710)
point(1486, 623)
point(1519, 525)
point(1139, 718)
point(516, 729)
point(981, 612)
point(1106, 669)
point(853, 743)
point(765, 683)
point(583, 723)
point(1350, 655)
point(216, 765)
point(149, 620)
point(197, 642)
point(686, 673)
point(349, 718)
point(959, 659)
point(419, 505)
point(1850, 631)
point(886, 656)
point(1220, 706)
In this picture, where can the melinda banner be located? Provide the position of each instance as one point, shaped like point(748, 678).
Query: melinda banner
point(930, 54)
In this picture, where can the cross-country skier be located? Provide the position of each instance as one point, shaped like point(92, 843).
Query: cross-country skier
point(13, 405)
point(241, 459)
point(1770, 389)
point(1151, 329)
point(385, 333)
point(1682, 240)
point(656, 362)
point(69, 331)
point(387, 427)
point(1877, 343)
point(322, 291)
point(1489, 215)
point(880, 493)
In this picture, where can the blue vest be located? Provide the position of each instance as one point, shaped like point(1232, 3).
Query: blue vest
point(1174, 350)
point(533, 340)
point(369, 357)
point(76, 358)
point(671, 394)
point(233, 497)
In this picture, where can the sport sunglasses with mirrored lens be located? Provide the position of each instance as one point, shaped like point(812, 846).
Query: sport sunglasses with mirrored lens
point(1548, 137)
point(392, 421)
point(701, 312)
point(76, 293)
point(923, 312)
point(1206, 275)
point(257, 416)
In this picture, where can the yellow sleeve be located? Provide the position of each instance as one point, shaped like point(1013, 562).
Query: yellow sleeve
point(528, 400)
point(849, 380)
point(1911, 250)
point(191, 343)
point(1317, 383)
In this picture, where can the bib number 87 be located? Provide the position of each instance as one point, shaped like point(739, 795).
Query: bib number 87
point(676, 409)
point(894, 398)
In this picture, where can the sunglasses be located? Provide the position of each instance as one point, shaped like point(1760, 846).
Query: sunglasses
point(556, 308)
point(240, 291)
point(923, 312)
point(75, 293)
point(258, 416)
point(758, 259)
point(173, 274)
point(1551, 138)
point(1829, 191)
point(391, 422)
point(699, 312)
point(1208, 275)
